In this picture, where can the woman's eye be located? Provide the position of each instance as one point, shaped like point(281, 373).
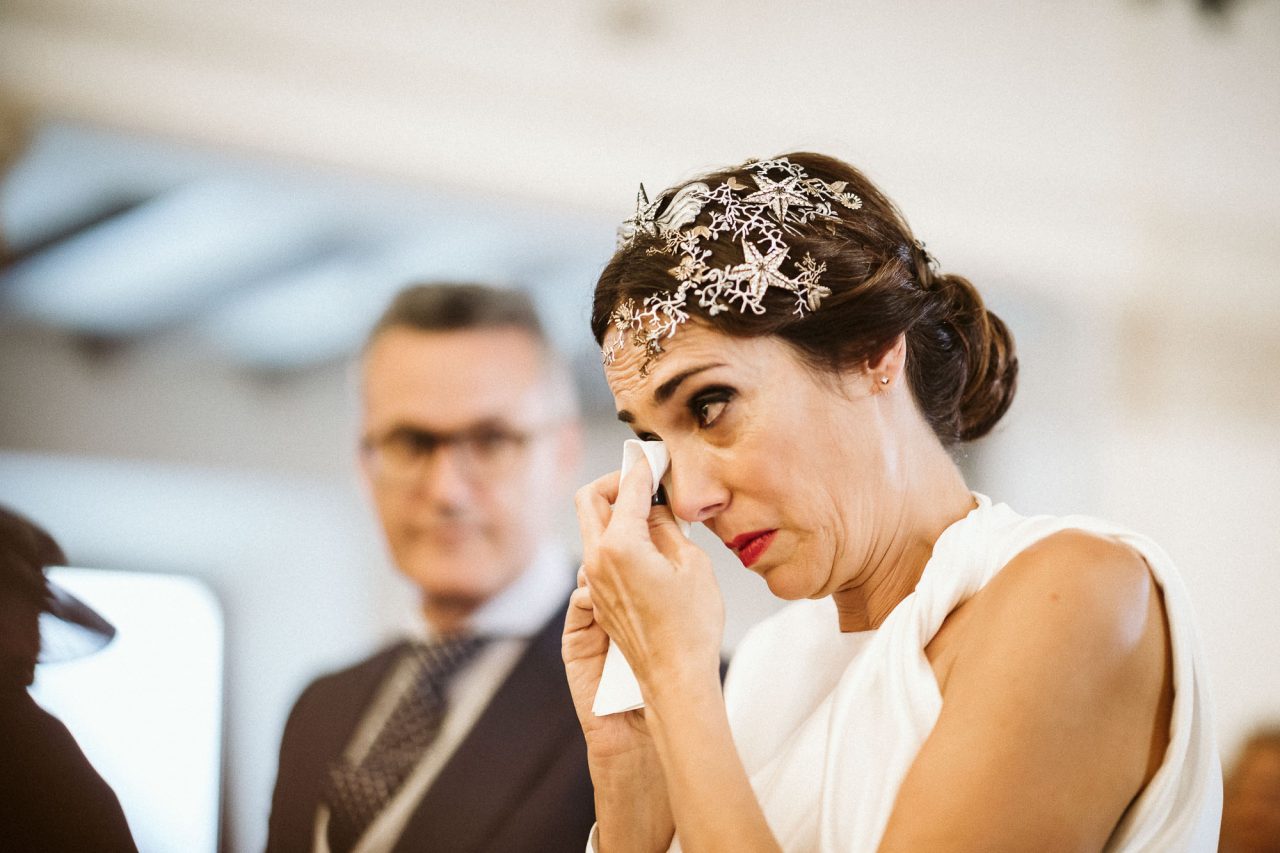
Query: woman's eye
point(708, 408)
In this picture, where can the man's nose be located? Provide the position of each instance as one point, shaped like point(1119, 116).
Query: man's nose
point(445, 477)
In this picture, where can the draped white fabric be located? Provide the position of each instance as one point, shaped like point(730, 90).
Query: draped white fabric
point(828, 724)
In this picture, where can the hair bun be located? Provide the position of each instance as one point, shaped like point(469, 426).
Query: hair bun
point(990, 360)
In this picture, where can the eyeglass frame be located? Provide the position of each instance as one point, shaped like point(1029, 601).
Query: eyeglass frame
point(461, 441)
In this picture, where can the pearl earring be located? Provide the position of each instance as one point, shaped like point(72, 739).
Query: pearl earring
point(884, 380)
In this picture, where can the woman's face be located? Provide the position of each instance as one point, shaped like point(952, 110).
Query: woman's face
point(794, 471)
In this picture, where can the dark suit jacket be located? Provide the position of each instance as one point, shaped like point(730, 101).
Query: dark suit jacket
point(518, 783)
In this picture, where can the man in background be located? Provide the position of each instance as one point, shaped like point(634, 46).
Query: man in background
point(463, 735)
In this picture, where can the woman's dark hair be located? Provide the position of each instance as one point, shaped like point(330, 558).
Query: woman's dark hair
point(961, 364)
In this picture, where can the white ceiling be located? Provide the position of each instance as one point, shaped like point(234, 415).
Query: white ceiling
point(1119, 154)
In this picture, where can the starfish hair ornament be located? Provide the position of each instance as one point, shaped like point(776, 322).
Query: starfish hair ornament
point(757, 218)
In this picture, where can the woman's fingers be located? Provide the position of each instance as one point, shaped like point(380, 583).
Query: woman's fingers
point(581, 614)
point(581, 600)
point(665, 531)
point(635, 494)
point(592, 502)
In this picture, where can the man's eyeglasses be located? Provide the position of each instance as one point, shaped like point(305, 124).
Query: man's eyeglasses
point(482, 452)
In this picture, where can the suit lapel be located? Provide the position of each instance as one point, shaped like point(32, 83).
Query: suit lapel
point(350, 709)
point(525, 726)
point(317, 732)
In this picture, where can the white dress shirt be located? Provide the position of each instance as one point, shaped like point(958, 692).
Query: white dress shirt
point(509, 620)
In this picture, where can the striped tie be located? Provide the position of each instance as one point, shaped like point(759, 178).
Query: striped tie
point(357, 793)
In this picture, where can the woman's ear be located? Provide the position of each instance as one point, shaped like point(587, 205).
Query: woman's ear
point(886, 371)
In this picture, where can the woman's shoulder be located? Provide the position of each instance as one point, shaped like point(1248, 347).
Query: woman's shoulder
point(1100, 572)
point(1077, 614)
point(1077, 586)
point(1064, 653)
point(1104, 569)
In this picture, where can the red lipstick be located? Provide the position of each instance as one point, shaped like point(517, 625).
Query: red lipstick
point(751, 546)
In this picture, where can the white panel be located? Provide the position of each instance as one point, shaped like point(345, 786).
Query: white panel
point(147, 709)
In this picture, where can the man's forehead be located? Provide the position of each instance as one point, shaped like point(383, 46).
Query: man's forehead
point(465, 375)
point(462, 341)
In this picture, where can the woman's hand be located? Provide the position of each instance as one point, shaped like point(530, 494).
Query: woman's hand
point(632, 804)
point(652, 590)
point(583, 647)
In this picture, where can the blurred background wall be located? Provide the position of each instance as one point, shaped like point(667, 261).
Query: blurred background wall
point(206, 204)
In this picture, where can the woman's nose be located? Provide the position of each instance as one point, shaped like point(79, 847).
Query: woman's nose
point(697, 493)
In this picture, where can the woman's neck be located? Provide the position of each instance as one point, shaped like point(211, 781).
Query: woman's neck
point(936, 498)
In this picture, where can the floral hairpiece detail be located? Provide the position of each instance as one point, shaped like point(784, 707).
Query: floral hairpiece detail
point(758, 219)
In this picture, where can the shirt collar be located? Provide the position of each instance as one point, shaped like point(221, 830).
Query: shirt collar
point(523, 607)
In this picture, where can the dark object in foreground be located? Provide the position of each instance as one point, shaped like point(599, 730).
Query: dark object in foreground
point(51, 798)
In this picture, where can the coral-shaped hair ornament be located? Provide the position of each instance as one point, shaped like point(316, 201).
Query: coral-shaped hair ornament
point(756, 218)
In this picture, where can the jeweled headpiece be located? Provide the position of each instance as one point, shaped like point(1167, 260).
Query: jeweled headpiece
point(758, 218)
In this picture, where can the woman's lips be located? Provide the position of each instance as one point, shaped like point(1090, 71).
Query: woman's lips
point(751, 546)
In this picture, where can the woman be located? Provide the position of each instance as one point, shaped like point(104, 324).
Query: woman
point(51, 797)
point(951, 675)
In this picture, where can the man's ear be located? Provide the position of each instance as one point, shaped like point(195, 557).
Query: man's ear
point(364, 473)
point(569, 442)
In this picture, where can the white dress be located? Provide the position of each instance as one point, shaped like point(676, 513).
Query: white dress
point(828, 724)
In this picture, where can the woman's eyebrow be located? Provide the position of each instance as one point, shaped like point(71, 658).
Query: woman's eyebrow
point(666, 390)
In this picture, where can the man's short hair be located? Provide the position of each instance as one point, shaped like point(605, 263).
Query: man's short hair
point(466, 306)
point(454, 307)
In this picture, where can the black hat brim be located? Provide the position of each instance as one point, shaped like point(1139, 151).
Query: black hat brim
point(69, 628)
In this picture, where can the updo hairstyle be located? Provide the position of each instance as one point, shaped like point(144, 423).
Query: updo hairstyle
point(961, 364)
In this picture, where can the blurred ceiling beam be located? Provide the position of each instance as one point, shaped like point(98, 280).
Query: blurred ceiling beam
point(68, 173)
point(87, 218)
point(165, 260)
point(321, 311)
point(301, 318)
point(274, 270)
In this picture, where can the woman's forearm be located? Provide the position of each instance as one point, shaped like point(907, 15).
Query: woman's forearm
point(711, 797)
point(633, 812)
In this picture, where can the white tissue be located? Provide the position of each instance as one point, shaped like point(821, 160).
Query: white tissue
point(618, 690)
